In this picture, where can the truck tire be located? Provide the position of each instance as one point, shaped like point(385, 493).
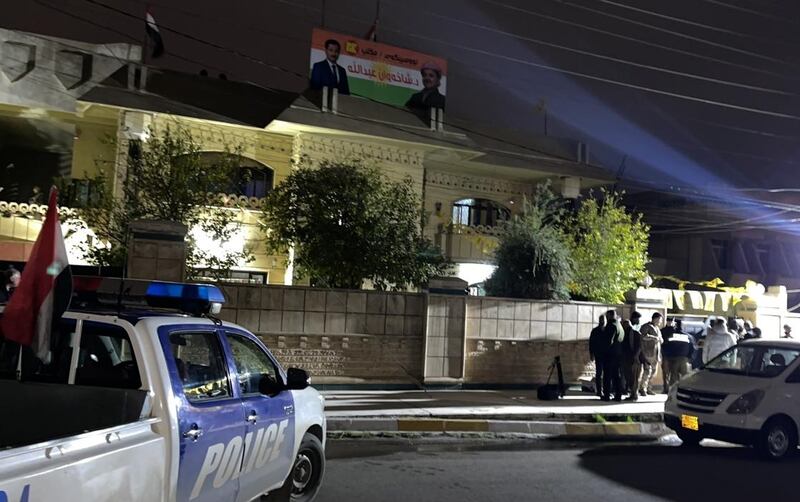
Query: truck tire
point(305, 478)
point(777, 439)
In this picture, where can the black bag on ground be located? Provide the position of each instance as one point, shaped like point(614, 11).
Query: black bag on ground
point(552, 392)
point(549, 392)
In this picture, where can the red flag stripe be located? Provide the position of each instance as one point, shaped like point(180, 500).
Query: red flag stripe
point(29, 315)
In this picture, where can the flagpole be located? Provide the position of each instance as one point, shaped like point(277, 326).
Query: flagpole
point(144, 41)
point(19, 364)
point(377, 20)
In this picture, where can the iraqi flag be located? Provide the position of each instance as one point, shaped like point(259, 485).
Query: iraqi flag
point(155, 35)
point(45, 289)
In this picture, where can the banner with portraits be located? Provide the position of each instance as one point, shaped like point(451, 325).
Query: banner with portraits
point(377, 71)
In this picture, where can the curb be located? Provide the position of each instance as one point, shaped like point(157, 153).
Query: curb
point(347, 427)
point(655, 417)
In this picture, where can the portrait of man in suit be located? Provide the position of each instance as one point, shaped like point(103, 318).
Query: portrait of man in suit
point(328, 73)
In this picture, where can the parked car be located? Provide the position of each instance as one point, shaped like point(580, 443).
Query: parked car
point(158, 405)
point(749, 395)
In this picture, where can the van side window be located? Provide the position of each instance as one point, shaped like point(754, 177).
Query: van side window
point(106, 358)
point(201, 366)
point(794, 377)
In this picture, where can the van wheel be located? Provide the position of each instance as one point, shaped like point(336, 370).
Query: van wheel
point(689, 439)
point(305, 478)
point(777, 439)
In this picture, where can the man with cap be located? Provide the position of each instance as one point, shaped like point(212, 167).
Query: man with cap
point(429, 97)
point(787, 331)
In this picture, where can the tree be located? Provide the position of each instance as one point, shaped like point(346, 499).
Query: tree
point(348, 224)
point(167, 179)
point(532, 257)
point(609, 249)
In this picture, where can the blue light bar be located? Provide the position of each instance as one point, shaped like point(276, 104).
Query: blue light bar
point(194, 298)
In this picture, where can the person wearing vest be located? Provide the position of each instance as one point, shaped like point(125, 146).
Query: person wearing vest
point(676, 351)
point(651, 353)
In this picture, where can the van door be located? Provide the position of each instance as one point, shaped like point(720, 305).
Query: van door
point(210, 421)
point(269, 442)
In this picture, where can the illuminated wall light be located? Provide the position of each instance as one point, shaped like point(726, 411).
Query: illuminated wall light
point(77, 236)
point(219, 249)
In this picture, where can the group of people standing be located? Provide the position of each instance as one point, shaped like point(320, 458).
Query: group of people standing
point(627, 354)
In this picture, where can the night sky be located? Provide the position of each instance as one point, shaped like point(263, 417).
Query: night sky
point(700, 93)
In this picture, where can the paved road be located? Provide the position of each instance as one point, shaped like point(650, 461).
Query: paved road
point(378, 471)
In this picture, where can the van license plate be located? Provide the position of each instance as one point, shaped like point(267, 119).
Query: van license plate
point(690, 422)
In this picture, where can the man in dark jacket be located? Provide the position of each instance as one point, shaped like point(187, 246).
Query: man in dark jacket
point(612, 342)
point(676, 351)
point(631, 347)
point(597, 353)
point(328, 72)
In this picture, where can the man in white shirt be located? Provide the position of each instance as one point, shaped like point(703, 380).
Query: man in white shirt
point(717, 341)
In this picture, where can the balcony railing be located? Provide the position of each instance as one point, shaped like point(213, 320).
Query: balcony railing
point(467, 244)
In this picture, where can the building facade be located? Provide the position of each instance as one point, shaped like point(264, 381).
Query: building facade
point(72, 110)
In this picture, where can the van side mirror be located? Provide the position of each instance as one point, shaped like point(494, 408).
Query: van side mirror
point(297, 379)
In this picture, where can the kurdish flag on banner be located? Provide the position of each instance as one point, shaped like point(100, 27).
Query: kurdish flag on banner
point(45, 289)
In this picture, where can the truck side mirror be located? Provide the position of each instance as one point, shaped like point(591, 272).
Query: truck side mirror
point(268, 386)
point(297, 379)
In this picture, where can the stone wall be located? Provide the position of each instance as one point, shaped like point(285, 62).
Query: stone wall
point(514, 341)
point(371, 337)
point(338, 336)
point(513, 362)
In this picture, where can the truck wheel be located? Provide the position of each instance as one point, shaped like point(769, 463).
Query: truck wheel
point(777, 439)
point(305, 478)
point(689, 439)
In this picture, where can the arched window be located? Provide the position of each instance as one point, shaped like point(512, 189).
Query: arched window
point(253, 179)
point(474, 212)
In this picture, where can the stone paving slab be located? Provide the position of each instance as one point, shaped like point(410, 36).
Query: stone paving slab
point(508, 405)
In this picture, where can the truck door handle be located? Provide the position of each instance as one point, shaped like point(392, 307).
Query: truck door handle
point(193, 433)
point(252, 417)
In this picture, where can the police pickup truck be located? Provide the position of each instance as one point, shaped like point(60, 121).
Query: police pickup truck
point(156, 402)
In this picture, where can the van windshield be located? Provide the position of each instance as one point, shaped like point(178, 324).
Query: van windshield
point(753, 360)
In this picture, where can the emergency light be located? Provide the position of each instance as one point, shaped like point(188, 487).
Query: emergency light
point(190, 298)
point(199, 298)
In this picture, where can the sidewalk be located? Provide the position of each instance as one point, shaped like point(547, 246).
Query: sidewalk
point(496, 412)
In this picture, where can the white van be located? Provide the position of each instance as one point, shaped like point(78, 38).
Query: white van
point(749, 395)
